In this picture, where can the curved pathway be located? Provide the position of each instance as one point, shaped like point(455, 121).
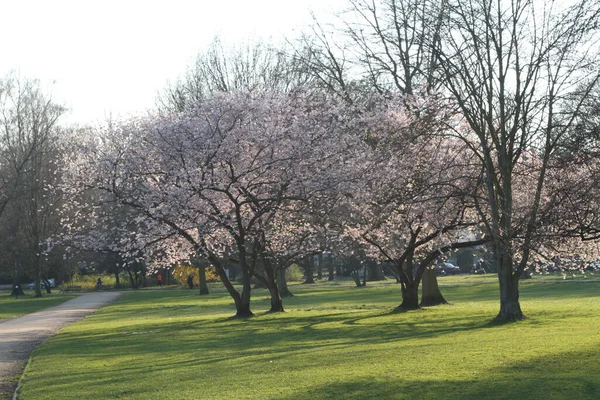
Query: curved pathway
point(19, 336)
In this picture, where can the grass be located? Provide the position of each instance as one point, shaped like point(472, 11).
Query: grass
point(335, 341)
point(11, 307)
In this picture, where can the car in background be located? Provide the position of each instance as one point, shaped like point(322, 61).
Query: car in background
point(45, 282)
point(446, 269)
point(593, 266)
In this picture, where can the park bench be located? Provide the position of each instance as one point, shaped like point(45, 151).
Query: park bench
point(103, 287)
point(73, 289)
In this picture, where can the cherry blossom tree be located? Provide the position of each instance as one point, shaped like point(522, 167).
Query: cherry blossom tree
point(217, 174)
point(412, 192)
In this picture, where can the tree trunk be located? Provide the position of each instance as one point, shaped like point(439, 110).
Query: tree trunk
point(242, 303)
point(270, 283)
point(355, 274)
point(144, 282)
point(309, 269)
point(375, 272)
point(510, 308)
point(431, 294)
point(132, 281)
point(117, 280)
point(276, 301)
point(243, 306)
point(410, 297)
point(284, 291)
point(330, 267)
point(202, 284)
point(320, 267)
point(38, 284)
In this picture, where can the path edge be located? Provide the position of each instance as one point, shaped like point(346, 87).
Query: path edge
point(30, 359)
point(18, 388)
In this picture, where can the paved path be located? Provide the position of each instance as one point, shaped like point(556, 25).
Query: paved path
point(19, 336)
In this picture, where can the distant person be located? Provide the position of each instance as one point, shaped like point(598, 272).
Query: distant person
point(190, 281)
point(15, 292)
point(159, 279)
point(98, 284)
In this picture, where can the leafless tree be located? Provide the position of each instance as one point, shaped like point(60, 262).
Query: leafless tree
point(221, 68)
point(28, 119)
point(518, 72)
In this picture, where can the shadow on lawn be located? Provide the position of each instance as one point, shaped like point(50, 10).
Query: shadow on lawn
point(269, 336)
point(570, 375)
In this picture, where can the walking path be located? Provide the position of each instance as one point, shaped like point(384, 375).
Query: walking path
point(19, 336)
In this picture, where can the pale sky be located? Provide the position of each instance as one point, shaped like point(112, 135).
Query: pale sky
point(113, 56)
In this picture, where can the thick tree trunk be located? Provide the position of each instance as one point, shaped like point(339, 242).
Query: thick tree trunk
point(510, 308)
point(431, 294)
point(276, 301)
point(202, 285)
point(268, 281)
point(410, 297)
point(284, 291)
point(243, 305)
point(271, 284)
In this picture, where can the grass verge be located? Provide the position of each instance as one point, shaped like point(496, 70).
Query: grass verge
point(334, 341)
point(11, 307)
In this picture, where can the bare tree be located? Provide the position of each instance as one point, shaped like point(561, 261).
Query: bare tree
point(28, 159)
point(518, 72)
point(385, 45)
point(251, 66)
point(27, 118)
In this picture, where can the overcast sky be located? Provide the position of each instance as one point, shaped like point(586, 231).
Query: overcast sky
point(113, 56)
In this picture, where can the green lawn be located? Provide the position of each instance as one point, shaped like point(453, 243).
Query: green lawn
point(11, 307)
point(334, 342)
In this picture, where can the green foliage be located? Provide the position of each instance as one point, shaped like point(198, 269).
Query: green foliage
point(181, 272)
point(88, 282)
point(294, 273)
point(335, 341)
point(11, 307)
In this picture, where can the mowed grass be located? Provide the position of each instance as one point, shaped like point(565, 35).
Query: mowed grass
point(11, 307)
point(335, 341)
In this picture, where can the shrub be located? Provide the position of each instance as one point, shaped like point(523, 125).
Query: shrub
point(294, 273)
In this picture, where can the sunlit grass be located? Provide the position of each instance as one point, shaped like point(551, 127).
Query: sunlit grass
point(11, 307)
point(335, 341)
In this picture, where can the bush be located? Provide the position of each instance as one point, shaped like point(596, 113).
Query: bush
point(294, 273)
point(181, 272)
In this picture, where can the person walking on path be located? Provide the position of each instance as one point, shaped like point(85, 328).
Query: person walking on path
point(159, 279)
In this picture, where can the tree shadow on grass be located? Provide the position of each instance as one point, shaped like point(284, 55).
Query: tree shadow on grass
point(570, 375)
